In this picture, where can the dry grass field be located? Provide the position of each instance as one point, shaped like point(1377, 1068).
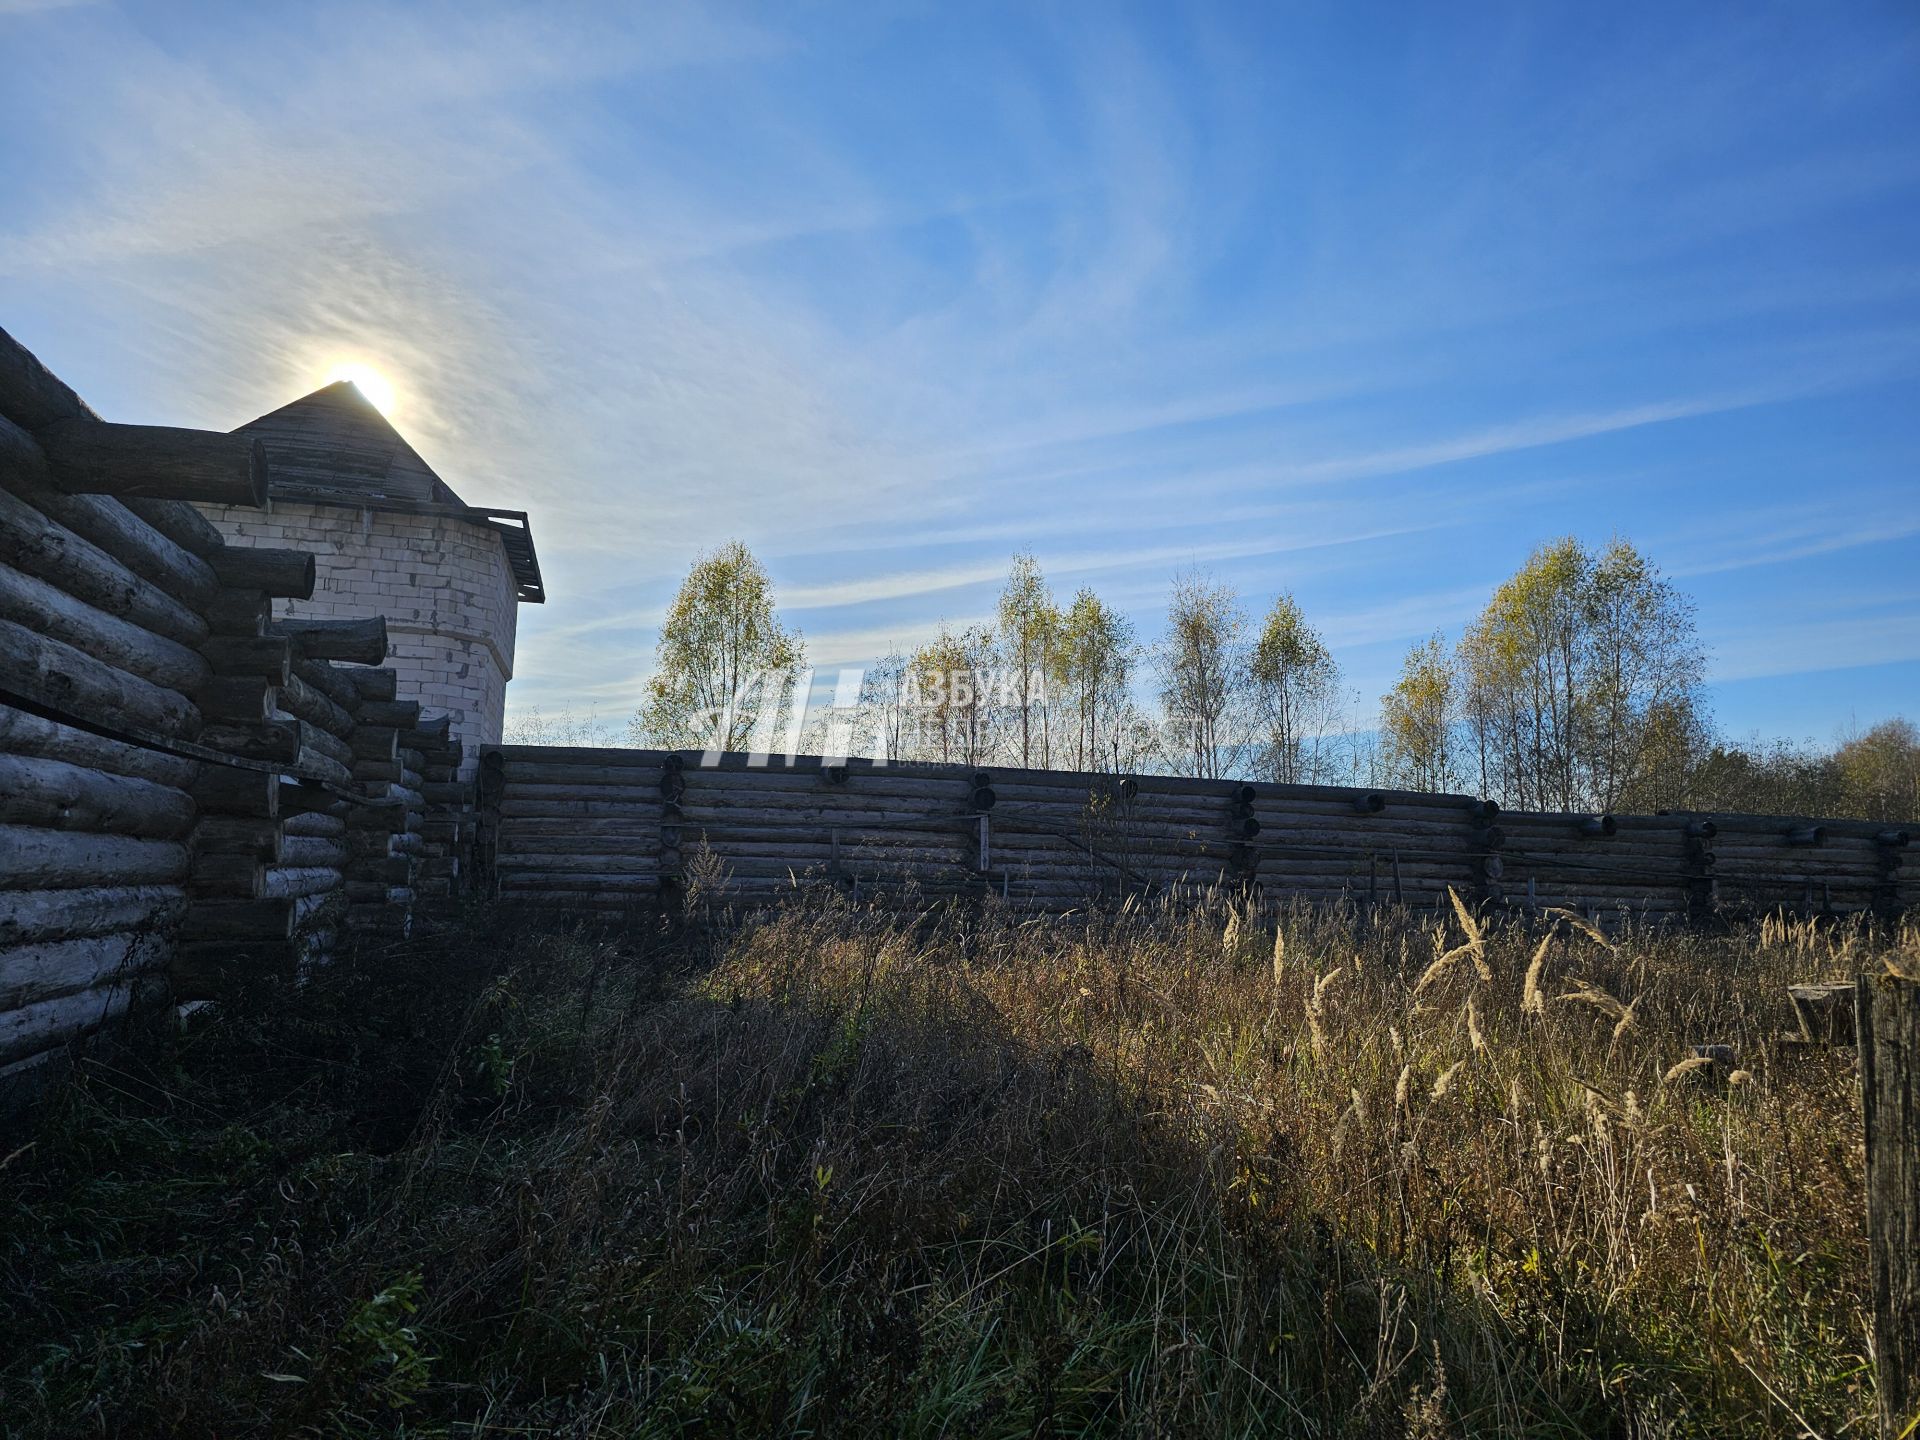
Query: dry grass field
point(829, 1173)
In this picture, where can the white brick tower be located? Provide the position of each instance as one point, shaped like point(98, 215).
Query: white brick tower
point(391, 538)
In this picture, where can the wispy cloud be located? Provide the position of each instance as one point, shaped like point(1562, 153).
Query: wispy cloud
point(1530, 434)
point(1806, 648)
point(893, 296)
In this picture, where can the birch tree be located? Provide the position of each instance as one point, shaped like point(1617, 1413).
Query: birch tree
point(1202, 665)
point(725, 667)
point(1093, 664)
point(1029, 634)
point(1417, 719)
point(1295, 690)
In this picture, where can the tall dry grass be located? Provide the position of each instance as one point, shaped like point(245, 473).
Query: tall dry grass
point(827, 1172)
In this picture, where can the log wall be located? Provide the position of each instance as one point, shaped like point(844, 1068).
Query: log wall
point(190, 792)
point(605, 828)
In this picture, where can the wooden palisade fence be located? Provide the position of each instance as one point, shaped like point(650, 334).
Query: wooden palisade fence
point(604, 827)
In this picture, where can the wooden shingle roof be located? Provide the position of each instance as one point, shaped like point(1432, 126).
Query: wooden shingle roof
point(334, 447)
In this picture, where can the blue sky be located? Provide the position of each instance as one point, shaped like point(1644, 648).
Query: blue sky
point(1357, 301)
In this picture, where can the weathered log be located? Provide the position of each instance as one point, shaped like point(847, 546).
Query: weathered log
point(241, 613)
point(316, 741)
point(431, 731)
point(241, 701)
point(158, 462)
point(455, 793)
point(23, 733)
point(1806, 835)
point(33, 858)
point(313, 851)
point(375, 742)
point(615, 864)
point(390, 817)
point(377, 770)
point(379, 686)
point(62, 796)
point(46, 549)
point(401, 714)
point(273, 918)
point(287, 574)
point(252, 836)
point(360, 642)
point(109, 525)
point(316, 764)
point(331, 681)
point(606, 846)
point(180, 523)
point(32, 916)
point(268, 656)
point(53, 673)
point(1888, 1022)
point(574, 892)
point(30, 394)
point(285, 881)
point(316, 823)
point(364, 843)
point(272, 741)
point(305, 797)
point(387, 869)
point(233, 877)
point(512, 831)
point(299, 698)
point(68, 1018)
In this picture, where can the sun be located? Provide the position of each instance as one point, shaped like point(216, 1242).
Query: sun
point(372, 385)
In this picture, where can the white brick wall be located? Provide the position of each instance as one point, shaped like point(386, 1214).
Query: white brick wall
point(443, 584)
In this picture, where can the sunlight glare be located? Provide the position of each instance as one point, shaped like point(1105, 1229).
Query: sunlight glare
point(372, 385)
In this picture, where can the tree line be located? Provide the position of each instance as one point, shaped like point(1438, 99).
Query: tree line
point(1579, 687)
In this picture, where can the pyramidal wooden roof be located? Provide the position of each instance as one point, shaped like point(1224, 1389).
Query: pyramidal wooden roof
point(334, 447)
point(335, 443)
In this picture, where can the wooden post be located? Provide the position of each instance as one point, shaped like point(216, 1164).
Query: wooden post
point(1887, 1016)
